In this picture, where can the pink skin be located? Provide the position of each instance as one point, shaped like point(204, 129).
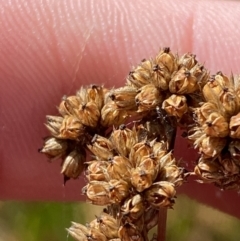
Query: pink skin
point(51, 48)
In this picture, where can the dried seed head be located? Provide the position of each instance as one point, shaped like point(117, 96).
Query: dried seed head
point(53, 124)
point(54, 148)
point(101, 147)
point(73, 164)
point(123, 140)
point(97, 192)
point(216, 125)
point(161, 194)
point(111, 115)
point(148, 98)
point(175, 105)
point(71, 128)
point(183, 82)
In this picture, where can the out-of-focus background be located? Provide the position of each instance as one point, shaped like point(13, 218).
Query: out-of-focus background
point(45, 221)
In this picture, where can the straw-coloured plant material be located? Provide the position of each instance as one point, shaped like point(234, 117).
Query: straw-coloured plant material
point(130, 134)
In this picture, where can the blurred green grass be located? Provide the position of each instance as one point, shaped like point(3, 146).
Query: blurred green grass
point(45, 221)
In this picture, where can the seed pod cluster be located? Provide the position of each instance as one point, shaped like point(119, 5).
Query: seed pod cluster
point(216, 133)
point(130, 133)
point(138, 176)
point(168, 81)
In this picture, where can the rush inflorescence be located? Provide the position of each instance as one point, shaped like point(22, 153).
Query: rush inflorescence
point(123, 138)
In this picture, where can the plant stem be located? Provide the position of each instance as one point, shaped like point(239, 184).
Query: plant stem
point(162, 223)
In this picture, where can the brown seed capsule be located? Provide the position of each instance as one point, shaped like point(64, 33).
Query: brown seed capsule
point(68, 105)
point(166, 161)
point(118, 190)
point(183, 82)
point(166, 59)
point(161, 194)
point(95, 94)
point(216, 125)
point(95, 234)
point(141, 75)
point(73, 164)
point(108, 225)
point(133, 208)
point(101, 147)
point(139, 151)
point(123, 139)
point(96, 170)
point(229, 101)
point(124, 98)
point(229, 166)
point(111, 115)
point(201, 74)
point(88, 113)
point(119, 168)
point(71, 128)
point(97, 192)
point(54, 124)
point(214, 87)
point(203, 112)
point(130, 232)
point(144, 174)
point(159, 150)
point(148, 98)
point(234, 126)
point(187, 60)
point(54, 148)
point(208, 170)
point(211, 146)
point(172, 174)
point(175, 105)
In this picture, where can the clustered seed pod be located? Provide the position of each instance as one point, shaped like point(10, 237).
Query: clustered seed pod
point(130, 133)
point(137, 175)
point(216, 133)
